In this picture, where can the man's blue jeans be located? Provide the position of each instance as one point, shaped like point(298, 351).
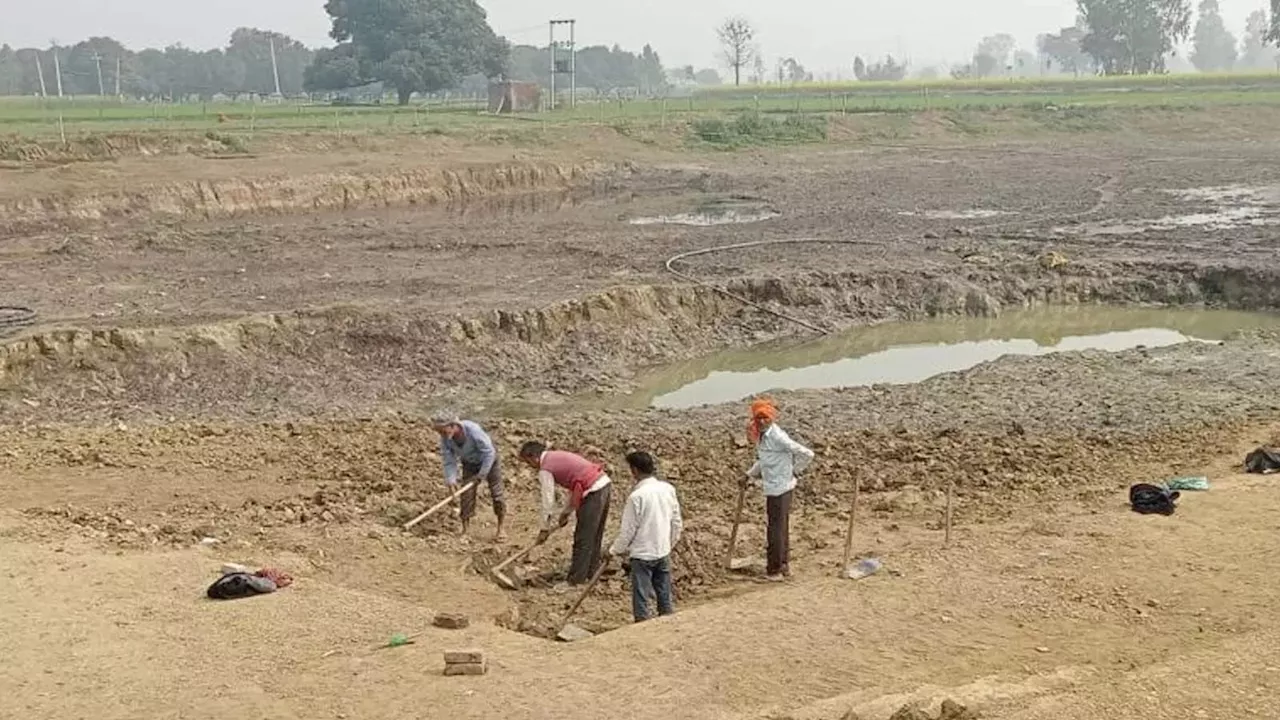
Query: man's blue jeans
point(651, 579)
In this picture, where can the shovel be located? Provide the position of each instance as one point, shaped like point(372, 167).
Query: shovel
point(848, 533)
point(738, 563)
point(570, 633)
point(501, 577)
point(436, 508)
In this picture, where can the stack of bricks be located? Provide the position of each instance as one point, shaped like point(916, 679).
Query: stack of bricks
point(465, 662)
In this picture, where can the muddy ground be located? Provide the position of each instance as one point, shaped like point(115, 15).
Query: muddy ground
point(250, 361)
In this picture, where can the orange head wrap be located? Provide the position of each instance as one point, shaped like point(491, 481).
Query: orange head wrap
point(761, 410)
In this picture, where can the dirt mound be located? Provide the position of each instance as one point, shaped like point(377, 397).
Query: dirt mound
point(296, 193)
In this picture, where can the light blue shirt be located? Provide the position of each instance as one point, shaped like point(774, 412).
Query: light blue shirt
point(475, 451)
point(778, 459)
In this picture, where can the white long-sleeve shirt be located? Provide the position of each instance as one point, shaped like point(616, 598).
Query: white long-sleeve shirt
point(651, 521)
point(778, 459)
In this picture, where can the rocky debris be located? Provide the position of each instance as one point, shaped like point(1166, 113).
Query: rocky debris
point(911, 712)
point(465, 662)
point(451, 621)
point(950, 710)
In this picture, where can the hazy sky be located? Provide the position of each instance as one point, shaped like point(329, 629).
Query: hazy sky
point(822, 34)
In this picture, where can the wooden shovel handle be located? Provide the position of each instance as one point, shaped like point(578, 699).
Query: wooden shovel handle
point(587, 591)
point(435, 508)
point(737, 521)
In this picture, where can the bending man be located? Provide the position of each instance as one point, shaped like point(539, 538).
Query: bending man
point(778, 460)
point(651, 526)
point(589, 491)
point(464, 443)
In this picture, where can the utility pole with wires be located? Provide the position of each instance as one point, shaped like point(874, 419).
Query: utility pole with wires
point(561, 66)
point(118, 95)
point(275, 68)
point(97, 61)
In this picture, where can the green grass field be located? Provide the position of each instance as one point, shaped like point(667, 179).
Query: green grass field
point(47, 119)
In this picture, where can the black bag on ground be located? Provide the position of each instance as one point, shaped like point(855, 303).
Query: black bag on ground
point(1148, 499)
point(239, 585)
point(1263, 460)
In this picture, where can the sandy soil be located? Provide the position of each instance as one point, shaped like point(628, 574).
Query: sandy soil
point(256, 372)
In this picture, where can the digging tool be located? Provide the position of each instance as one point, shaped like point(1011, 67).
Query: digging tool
point(436, 508)
point(853, 513)
point(738, 563)
point(496, 570)
point(567, 632)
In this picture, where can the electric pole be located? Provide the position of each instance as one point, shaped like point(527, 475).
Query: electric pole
point(275, 69)
point(57, 70)
point(40, 73)
point(564, 67)
point(97, 61)
point(118, 77)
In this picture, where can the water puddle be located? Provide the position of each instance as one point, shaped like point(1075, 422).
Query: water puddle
point(975, 214)
point(902, 353)
point(720, 212)
point(1224, 208)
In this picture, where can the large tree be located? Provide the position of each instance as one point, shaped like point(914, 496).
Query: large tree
point(998, 48)
point(885, 70)
point(1254, 51)
point(417, 45)
point(1214, 45)
point(1062, 52)
point(736, 46)
point(1133, 36)
point(11, 76)
point(253, 48)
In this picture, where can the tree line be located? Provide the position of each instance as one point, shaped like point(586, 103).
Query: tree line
point(429, 46)
point(418, 46)
point(1110, 37)
point(103, 66)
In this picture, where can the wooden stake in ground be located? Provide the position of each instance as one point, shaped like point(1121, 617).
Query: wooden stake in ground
point(853, 513)
point(951, 491)
point(436, 508)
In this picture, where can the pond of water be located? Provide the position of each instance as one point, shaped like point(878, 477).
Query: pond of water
point(899, 353)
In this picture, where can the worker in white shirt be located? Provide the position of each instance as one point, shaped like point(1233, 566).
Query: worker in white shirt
point(778, 460)
point(651, 526)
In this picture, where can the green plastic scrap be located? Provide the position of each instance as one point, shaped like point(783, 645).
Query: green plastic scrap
point(1188, 483)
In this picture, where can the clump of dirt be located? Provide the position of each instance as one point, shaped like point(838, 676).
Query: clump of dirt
point(950, 710)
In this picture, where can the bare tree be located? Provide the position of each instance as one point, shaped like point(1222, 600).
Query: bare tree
point(735, 36)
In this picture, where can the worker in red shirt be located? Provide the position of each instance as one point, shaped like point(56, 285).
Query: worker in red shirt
point(589, 490)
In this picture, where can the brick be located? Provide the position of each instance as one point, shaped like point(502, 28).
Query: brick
point(466, 669)
point(451, 621)
point(460, 657)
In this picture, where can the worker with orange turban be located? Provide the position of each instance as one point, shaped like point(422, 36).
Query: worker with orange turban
point(778, 460)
